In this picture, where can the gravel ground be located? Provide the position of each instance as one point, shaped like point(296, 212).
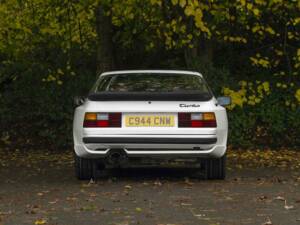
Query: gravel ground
point(48, 193)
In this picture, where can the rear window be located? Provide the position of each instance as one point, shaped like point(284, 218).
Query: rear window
point(150, 83)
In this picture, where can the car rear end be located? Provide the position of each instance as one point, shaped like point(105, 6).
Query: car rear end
point(150, 114)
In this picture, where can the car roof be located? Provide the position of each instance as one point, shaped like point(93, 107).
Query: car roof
point(152, 71)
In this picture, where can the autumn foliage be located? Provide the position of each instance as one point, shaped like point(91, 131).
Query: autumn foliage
point(247, 49)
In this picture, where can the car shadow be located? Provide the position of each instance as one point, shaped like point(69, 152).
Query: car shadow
point(144, 173)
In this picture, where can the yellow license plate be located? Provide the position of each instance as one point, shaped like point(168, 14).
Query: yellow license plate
point(149, 121)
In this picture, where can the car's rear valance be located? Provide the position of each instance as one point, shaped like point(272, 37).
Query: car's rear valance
point(149, 96)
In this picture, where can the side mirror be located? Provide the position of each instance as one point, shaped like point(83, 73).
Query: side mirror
point(78, 100)
point(224, 101)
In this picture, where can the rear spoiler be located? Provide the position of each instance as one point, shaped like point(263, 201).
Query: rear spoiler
point(149, 96)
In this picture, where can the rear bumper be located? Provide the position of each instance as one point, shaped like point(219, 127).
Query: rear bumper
point(164, 147)
point(147, 140)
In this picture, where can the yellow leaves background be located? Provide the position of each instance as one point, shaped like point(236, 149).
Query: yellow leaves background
point(248, 94)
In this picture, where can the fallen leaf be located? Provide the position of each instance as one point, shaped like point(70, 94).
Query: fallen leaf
point(262, 198)
point(288, 207)
point(187, 181)
point(91, 181)
point(280, 198)
point(40, 222)
point(53, 202)
point(138, 209)
point(199, 215)
point(88, 208)
point(186, 204)
point(89, 184)
point(5, 213)
point(31, 211)
point(71, 198)
point(228, 198)
point(93, 195)
point(123, 223)
point(158, 183)
point(268, 222)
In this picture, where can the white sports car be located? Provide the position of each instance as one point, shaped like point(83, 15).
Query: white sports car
point(149, 116)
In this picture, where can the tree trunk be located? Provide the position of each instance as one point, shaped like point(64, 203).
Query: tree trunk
point(105, 57)
point(209, 50)
point(200, 54)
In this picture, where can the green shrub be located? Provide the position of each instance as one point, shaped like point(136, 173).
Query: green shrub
point(39, 112)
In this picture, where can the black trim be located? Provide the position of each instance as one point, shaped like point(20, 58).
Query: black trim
point(162, 149)
point(149, 96)
point(123, 140)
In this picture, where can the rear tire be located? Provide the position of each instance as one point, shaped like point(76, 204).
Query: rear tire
point(215, 168)
point(84, 168)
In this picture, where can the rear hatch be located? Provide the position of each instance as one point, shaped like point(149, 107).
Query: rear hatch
point(151, 103)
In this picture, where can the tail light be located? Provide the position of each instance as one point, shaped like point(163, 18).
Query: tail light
point(197, 120)
point(102, 120)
